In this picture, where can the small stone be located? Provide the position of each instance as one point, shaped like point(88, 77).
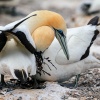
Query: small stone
point(95, 99)
point(83, 98)
point(20, 98)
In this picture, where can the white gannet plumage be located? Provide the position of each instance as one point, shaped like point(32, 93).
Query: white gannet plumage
point(79, 41)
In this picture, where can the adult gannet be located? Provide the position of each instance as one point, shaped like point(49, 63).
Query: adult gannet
point(50, 19)
point(17, 51)
point(79, 42)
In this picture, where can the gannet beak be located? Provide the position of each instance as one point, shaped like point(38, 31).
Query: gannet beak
point(62, 40)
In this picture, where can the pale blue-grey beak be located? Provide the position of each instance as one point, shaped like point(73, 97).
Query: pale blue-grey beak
point(62, 40)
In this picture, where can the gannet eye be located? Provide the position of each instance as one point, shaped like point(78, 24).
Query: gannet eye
point(61, 32)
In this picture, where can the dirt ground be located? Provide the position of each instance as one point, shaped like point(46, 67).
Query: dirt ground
point(89, 83)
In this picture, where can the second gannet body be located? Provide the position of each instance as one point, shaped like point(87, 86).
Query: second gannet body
point(79, 43)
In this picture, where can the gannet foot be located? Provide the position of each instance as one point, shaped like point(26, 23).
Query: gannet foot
point(2, 83)
point(37, 84)
point(30, 83)
point(76, 80)
point(71, 85)
point(68, 85)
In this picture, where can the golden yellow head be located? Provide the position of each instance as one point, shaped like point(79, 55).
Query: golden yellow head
point(46, 18)
point(43, 37)
point(37, 26)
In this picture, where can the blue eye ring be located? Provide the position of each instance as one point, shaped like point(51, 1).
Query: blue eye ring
point(60, 32)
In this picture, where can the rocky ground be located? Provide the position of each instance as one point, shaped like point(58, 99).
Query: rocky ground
point(89, 83)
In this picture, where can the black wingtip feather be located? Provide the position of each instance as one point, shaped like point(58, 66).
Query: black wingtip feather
point(21, 75)
point(3, 40)
point(23, 39)
point(94, 21)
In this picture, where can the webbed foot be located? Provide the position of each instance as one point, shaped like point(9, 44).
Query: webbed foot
point(71, 85)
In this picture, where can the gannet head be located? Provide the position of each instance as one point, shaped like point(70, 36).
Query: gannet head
point(53, 20)
point(43, 37)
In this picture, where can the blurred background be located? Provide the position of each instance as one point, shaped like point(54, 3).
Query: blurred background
point(75, 12)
